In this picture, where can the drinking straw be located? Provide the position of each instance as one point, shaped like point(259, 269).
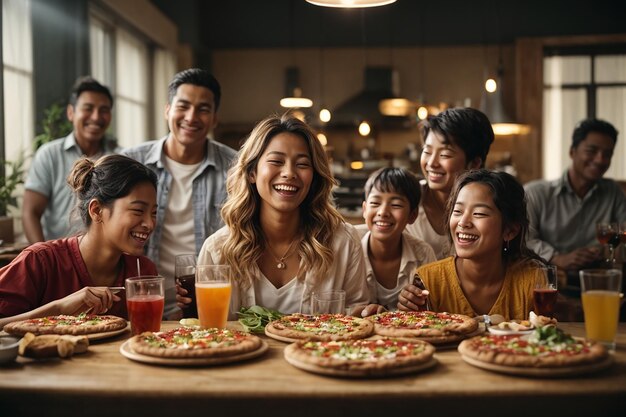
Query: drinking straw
point(138, 269)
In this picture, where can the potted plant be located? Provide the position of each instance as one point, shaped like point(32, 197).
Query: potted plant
point(14, 176)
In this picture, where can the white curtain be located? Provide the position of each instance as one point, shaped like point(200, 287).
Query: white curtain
point(164, 69)
point(132, 78)
point(17, 59)
point(101, 52)
point(564, 108)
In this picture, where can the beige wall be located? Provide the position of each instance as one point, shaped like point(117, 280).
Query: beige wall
point(253, 82)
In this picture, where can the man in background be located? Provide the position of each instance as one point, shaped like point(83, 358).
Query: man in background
point(563, 213)
point(48, 200)
point(192, 173)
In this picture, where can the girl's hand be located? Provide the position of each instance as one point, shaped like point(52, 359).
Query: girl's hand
point(95, 300)
point(181, 299)
point(367, 310)
point(412, 298)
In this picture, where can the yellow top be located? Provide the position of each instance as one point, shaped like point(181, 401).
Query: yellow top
point(515, 300)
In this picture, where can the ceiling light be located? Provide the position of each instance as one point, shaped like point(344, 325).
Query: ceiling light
point(364, 128)
point(491, 104)
point(357, 164)
point(293, 93)
point(422, 113)
point(491, 85)
point(322, 138)
point(397, 107)
point(325, 115)
point(350, 3)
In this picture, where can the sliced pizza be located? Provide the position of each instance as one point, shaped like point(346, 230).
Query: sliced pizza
point(547, 347)
point(359, 357)
point(427, 325)
point(82, 324)
point(193, 342)
point(323, 327)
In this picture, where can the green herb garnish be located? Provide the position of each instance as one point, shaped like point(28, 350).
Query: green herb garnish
point(253, 319)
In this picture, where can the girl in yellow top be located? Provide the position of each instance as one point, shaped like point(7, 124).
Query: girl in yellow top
point(493, 271)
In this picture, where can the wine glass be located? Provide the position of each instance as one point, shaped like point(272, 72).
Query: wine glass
point(607, 234)
point(546, 291)
point(185, 274)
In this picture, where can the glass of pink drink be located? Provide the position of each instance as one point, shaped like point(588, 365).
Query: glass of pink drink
point(145, 301)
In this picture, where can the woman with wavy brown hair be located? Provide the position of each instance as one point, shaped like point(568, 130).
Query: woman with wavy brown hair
point(283, 237)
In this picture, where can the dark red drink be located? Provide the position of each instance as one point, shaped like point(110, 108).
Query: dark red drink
point(545, 301)
point(622, 236)
point(188, 282)
point(606, 237)
point(145, 312)
point(614, 239)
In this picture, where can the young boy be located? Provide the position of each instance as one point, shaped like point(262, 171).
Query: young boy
point(391, 254)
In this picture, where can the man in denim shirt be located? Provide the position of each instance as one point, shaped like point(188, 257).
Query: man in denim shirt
point(192, 173)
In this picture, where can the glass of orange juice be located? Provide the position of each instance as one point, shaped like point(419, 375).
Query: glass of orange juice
point(213, 295)
point(600, 293)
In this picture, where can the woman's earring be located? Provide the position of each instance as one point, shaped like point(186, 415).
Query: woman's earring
point(506, 247)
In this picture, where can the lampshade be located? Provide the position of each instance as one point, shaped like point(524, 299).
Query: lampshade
point(350, 3)
point(293, 93)
point(397, 107)
point(502, 123)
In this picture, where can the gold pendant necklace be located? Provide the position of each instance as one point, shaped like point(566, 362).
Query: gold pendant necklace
point(280, 263)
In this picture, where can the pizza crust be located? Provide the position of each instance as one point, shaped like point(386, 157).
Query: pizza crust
point(473, 348)
point(297, 352)
point(248, 343)
point(421, 325)
point(285, 327)
point(107, 324)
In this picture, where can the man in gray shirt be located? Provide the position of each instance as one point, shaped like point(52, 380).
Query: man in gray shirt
point(48, 199)
point(563, 213)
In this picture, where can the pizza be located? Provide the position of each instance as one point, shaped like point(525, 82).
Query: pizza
point(546, 347)
point(322, 327)
point(83, 324)
point(193, 342)
point(426, 325)
point(362, 356)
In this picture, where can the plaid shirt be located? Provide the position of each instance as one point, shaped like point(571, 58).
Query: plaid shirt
point(208, 193)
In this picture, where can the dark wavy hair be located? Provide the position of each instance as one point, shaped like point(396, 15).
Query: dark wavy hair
point(467, 128)
point(199, 77)
point(592, 125)
point(510, 199)
point(109, 178)
point(395, 180)
point(88, 83)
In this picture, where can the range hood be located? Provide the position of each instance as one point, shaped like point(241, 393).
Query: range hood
point(380, 83)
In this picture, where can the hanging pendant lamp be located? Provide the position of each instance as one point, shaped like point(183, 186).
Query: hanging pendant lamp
point(293, 92)
point(491, 104)
point(353, 4)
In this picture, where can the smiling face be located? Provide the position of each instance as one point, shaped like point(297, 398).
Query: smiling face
point(90, 116)
point(387, 214)
point(441, 162)
point(476, 224)
point(191, 115)
point(592, 157)
point(127, 225)
point(284, 173)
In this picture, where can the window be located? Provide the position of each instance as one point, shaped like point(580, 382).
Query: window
point(17, 66)
point(137, 71)
point(579, 84)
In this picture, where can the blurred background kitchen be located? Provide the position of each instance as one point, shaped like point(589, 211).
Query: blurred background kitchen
point(376, 71)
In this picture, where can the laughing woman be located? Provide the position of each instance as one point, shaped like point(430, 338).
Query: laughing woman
point(116, 200)
point(493, 271)
point(283, 237)
point(454, 141)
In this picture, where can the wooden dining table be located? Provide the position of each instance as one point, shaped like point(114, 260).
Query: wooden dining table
point(102, 382)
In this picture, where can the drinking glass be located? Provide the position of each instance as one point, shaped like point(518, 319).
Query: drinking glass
point(213, 288)
point(185, 274)
point(546, 291)
point(145, 301)
point(600, 293)
point(607, 234)
point(328, 302)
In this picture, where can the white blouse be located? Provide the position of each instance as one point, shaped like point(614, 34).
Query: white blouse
point(347, 273)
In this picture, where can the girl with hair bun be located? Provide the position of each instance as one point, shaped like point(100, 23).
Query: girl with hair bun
point(116, 201)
